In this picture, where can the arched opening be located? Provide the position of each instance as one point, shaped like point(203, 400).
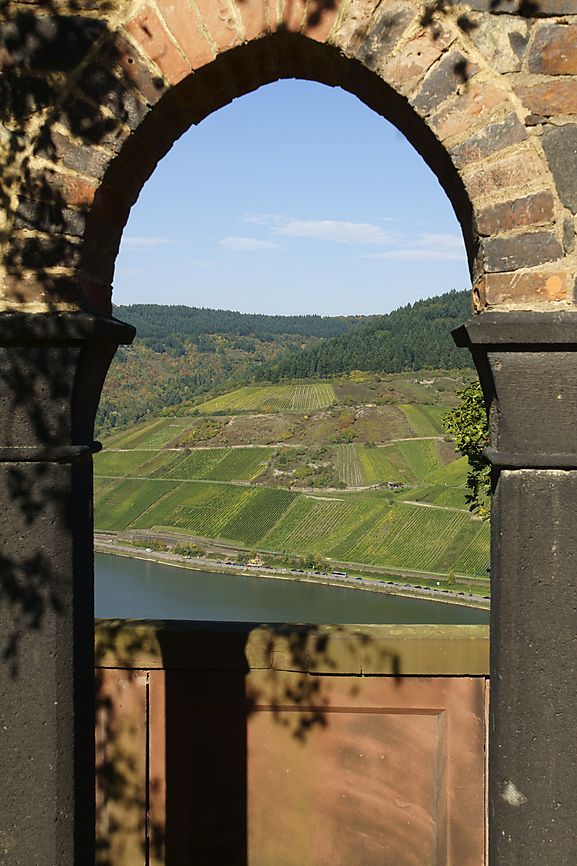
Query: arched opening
point(232, 172)
point(240, 839)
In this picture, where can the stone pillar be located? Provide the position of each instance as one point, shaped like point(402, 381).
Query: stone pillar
point(52, 367)
point(527, 363)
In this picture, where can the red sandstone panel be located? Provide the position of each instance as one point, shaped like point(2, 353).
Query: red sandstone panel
point(120, 767)
point(388, 773)
point(291, 769)
point(360, 791)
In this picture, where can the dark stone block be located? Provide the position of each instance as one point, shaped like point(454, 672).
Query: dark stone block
point(526, 8)
point(560, 144)
point(99, 83)
point(521, 251)
point(71, 153)
point(527, 363)
point(22, 95)
point(50, 217)
point(42, 251)
point(568, 235)
point(450, 72)
point(51, 43)
point(553, 50)
point(489, 140)
point(371, 48)
point(85, 120)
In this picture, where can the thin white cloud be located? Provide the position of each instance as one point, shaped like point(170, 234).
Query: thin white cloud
point(242, 244)
point(426, 247)
point(338, 231)
point(141, 243)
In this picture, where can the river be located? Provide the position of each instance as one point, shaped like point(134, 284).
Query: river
point(139, 589)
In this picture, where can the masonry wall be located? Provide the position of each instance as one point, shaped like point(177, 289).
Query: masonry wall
point(307, 746)
point(94, 93)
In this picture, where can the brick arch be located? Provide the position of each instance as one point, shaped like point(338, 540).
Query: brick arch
point(173, 63)
point(233, 74)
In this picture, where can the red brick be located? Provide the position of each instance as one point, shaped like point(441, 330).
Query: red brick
point(548, 98)
point(73, 189)
point(554, 50)
point(254, 18)
point(147, 30)
point(526, 287)
point(531, 210)
point(219, 17)
point(320, 19)
point(518, 170)
point(477, 100)
point(183, 23)
point(293, 15)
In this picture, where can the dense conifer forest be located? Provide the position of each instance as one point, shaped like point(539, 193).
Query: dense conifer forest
point(161, 325)
point(414, 337)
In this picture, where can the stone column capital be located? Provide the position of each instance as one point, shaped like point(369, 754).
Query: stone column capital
point(52, 368)
point(527, 364)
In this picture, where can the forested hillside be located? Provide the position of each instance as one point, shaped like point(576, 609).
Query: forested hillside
point(182, 354)
point(414, 337)
point(161, 325)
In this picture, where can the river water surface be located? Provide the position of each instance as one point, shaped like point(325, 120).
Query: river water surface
point(139, 589)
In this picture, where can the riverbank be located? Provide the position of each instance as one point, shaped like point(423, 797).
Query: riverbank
point(358, 583)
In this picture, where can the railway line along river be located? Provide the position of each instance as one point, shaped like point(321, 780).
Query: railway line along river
point(132, 588)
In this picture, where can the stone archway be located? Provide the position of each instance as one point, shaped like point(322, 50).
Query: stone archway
point(94, 98)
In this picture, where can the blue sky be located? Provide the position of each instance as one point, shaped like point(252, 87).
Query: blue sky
point(296, 198)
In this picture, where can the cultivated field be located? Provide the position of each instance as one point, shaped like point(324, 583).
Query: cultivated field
point(353, 527)
point(362, 465)
point(273, 398)
point(150, 434)
point(420, 455)
point(216, 464)
point(425, 420)
point(247, 495)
